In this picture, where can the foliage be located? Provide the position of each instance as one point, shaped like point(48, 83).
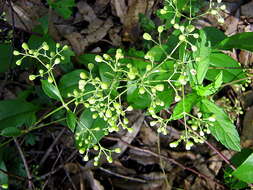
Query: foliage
point(182, 71)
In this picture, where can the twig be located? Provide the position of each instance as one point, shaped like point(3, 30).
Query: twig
point(30, 184)
point(123, 176)
point(12, 175)
point(51, 147)
point(208, 178)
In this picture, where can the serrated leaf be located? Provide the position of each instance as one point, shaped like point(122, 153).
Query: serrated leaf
point(202, 53)
point(245, 171)
point(89, 128)
point(50, 90)
point(211, 88)
point(14, 113)
point(184, 106)
point(224, 63)
point(11, 132)
point(71, 120)
point(223, 129)
point(242, 40)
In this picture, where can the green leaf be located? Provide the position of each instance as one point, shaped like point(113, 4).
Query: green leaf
point(223, 62)
point(184, 106)
point(62, 7)
point(50, 90)
point(146, 23)
point(245, 171)
point(237, 159)
point(214, 35)
point(211, 88)
point(167, 96)
point(89, 129)
point(242, 40)
point(137, 100)
point(69, 82)
point(14, 113)
point(44, 23)
point(4, 181)
point(5, 57)
point(71, 120)
point(202, 54)
point(223, 129)
point(11, 132)
point(157, 52)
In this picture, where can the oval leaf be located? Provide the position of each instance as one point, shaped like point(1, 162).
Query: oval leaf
point(50, 90)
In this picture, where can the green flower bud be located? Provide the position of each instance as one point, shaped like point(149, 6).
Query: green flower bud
point(82, 151)
point(31, 51)
point(85, 158)
point(131, 75)
point(163, 12)
point(57, 45)
point(81, 84)
point(194, 48)
point(160, 29)
point(174, 144)
point(98, 58)
point(83, 75)
point(181, 37)
point(32, 77)
point(147, 36)
point(90, 66)
point(57, 61)
point(109, 159)
point(95, 163)
point(52, 54)
point(116, 105)
point(129, 108)
point(190, 28)
point(41, 72)
point(119, 54)
point(104, 85)
point(196, 35)
point(107, 57)
point(50, 79)
point(125, 121)
point(5, 186)
point(142, 90)
point(45, 46)
point(117, 150)
point(15, 52)
point(148, 67)
point(153, 123)
point(18, 62)
point(65, 47)
point(25, 46)
point(108, 113)
point(223, 7)
point(96, 148)
point(159, 87)
point(177, 98)
point(94, 116)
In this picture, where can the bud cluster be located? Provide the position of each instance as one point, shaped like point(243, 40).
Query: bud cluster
point(46, 57)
